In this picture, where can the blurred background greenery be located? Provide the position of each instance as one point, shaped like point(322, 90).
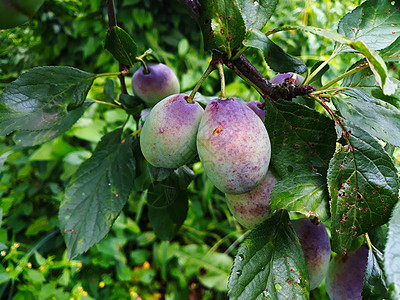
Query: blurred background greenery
point(131, 262)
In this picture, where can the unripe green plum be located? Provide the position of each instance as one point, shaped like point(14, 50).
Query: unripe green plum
point(252, 208)
point(256, 106)
point(290, 76)
point(314, 240)
point(345, 277)
point(156, 85)
point(168, 136)
point(233, 146)
point(17, 12)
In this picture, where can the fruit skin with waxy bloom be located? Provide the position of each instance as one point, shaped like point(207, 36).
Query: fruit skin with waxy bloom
point(168, 136)
point(233, 146)
point(287, 77)
point(315, 242)
point(156, 85)
point(252, 208)
point(256, 106)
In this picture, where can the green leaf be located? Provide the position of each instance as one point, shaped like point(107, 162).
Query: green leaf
point(363, 185)
point(391, 259)
point(374, 285)
point(270, 263)
point(375, 22)
point(301, 138)
point(42, 98)
point(276, 58)
point(222, 25)
point(121, 46)
point(375, 116)
point(392, 52)
point(304, 193)
point(316, 81)
point(31, 138)
point(257, 13)
point(167, 206)
point(97, 193)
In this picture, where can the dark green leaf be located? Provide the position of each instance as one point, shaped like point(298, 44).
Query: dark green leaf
point(167, 207)
point(304, 193)
point(375, 116)
point(97, 193)
point(375, 22)
point(392, 253)
point(42, 98)
point(363, 184)
point(121, 46)
point(222, 25)
point(378, 236)
point(270, 263)
point(374, 286)
point(31, 138)
point(301, 138)
point(257, 13)
point(392, 52)
point(276, 58)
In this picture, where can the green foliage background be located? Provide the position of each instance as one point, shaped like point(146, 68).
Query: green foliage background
point(130, 263)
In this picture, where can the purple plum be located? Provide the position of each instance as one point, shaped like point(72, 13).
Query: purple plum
point(252, 208)
point(168, 137)
point(156, 85)
point(287, 77)
point(344, 280)
point(256, 106)
point(233, 146)
point(314, 240)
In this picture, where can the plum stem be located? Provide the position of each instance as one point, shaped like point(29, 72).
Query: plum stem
point(207, 72)
point(136, 132)
point(348, 73)
point(107, 103)
point(321, 66)
point(220, 68)
point(143, 63)
point(240, 52)
point(368, 241)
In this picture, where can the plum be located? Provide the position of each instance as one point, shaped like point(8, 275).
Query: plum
point(251, 208)
point(233, 146)
point(314, 240)
point(345, 276)
point(256, 106)
point(284, 77)
point(168, 136)
point(156, 85)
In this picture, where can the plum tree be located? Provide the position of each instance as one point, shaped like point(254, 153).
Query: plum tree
point(256, 106)
point(345, 276)
point(17, 12)
point(168, 137)
point(289, 76)
point(251, 208)
point(233, 146)
point(159, 82)
point(314, 241)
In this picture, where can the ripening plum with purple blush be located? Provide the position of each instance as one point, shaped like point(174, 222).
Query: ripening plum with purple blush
point(168, 136)
point(252, 208)
point(256, 106)
point(233, 146)
point(156, 85)
point(290, 76)
point(314, 240)
point(345, 277)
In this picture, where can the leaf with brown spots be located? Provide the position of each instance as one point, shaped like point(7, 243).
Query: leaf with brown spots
point(363, 184)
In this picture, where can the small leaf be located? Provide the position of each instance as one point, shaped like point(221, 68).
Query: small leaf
point(121, 46)
point(375, 116)
point(391, 259)
point(276, 58)
point(374, 286)
point(222, 25)
point(363, 185)
point(257, 13)
point(42, 98)
point(31, 138)
point(167, 206)
point(301, 138)
point(270, 263)
point(97, 193)
point(375, 23)
point(304, 193)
